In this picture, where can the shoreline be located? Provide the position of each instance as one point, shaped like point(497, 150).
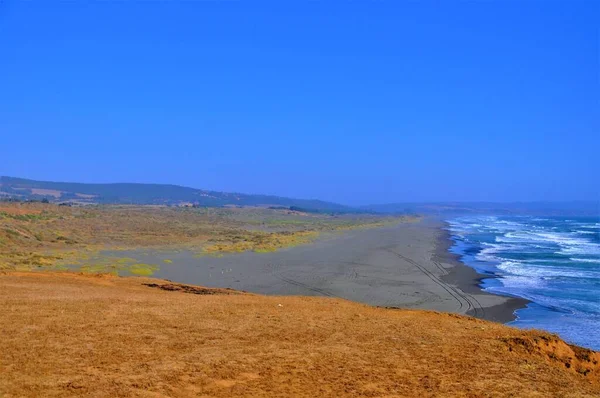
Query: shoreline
point(469, 280)
point(407, 265)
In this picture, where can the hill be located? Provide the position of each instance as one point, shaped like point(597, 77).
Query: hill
point(581, 208)
point(75, 335)
point(149, 194)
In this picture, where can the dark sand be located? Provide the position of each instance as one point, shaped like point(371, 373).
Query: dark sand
point(405, 266)
point(468, 280)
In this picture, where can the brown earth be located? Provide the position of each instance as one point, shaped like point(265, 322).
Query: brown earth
point(84, 335)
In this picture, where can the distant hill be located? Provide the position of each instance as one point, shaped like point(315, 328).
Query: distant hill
point(155, 194)
point(584, 208)
point(165, 194)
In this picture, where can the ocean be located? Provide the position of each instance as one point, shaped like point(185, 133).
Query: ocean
point(552, 261)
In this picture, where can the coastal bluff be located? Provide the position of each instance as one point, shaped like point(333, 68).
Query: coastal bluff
point(68, 334)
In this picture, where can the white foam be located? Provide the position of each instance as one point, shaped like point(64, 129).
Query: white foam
point(487, 255)
point(560, 238)
point(539, 271)
point(544, 261)
point(492, 251)
point(517, 282)
point(587, 225)
point(585, 260)
point(567, 242)
point(557, 255)
point(586, 249)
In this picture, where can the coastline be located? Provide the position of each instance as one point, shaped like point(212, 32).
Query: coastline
point(407, 265)
point(469, 280)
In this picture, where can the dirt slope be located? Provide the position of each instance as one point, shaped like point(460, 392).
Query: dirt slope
point(77, 335)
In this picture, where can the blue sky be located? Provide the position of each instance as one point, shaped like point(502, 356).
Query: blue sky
point(356, 102)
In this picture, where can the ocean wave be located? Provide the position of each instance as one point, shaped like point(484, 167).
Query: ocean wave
point(518, 285)
point(567, 242)
point(560, 238)
point(588, 232)
point(587, 225)
point(493, 252)
point(487, 255)
point(543, 261)
point(541, 271)
point(585, 260)
point(585, 249)
point(549, 261)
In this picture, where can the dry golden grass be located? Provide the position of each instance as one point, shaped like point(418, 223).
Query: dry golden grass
point(77, 335)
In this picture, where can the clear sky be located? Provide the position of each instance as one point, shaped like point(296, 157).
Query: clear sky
point(351, 101)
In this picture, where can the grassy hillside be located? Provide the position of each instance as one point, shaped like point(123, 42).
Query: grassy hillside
point(144, 194)
point(76, 335)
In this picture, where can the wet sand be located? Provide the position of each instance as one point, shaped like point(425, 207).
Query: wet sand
point(404, 266)
point(468, 280)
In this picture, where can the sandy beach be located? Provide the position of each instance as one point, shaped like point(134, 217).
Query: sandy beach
point(404, 266)
point(86, 334)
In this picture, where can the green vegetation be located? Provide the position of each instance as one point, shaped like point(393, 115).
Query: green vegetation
point(116, 266)
point(262, 242)
point(143, 269)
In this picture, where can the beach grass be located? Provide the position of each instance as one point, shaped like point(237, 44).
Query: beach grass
point(47, 236)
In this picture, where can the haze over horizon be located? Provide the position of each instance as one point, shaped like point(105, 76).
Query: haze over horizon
point(381, 206)
point(434, 102)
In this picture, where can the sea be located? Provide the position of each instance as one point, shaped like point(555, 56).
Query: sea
point(552, 261)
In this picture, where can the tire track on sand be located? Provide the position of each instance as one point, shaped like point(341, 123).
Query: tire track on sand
point(450, 290)
point(477, 308)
